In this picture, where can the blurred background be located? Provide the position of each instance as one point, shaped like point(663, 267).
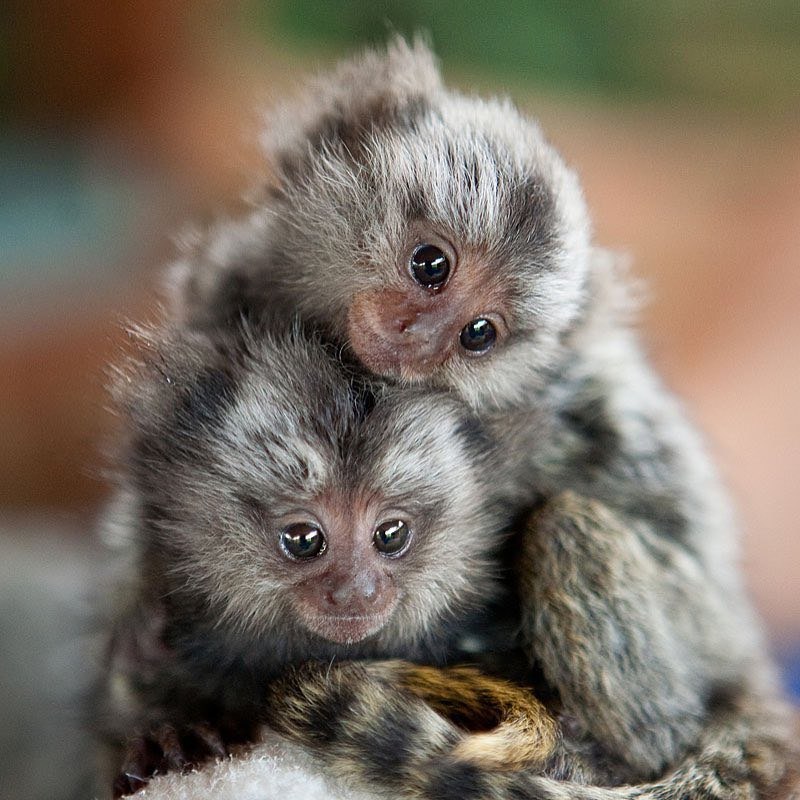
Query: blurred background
point(120, 122)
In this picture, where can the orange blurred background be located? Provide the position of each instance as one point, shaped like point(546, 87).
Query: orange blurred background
point(123, 121)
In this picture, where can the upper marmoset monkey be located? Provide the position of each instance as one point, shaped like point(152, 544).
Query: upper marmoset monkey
point(281, 514)
point(440, 241)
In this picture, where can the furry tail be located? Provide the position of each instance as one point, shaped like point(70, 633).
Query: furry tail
point(405, 731)
point(366, 716)
point(750, 752)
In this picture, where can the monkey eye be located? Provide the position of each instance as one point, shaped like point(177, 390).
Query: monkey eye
point(478, 336)
point(391, 537)
point(429, 266)
point(302, 540)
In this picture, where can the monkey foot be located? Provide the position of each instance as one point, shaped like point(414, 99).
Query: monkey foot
point(164, 748)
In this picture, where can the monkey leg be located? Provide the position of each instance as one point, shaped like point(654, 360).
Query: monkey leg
point(608, 614)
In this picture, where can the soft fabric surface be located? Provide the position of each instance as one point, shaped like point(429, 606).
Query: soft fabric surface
point(277, 770)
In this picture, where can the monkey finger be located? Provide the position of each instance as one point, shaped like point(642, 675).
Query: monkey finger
point(211, 739)
point(137, 768)
point(173, 756)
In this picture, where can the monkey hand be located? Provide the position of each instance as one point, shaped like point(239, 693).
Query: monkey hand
point(163, 747)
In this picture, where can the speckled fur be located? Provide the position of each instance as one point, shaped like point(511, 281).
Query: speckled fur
point(630, 599)
point(227, 432)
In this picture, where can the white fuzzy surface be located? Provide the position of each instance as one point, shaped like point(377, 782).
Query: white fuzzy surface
point(274, 769)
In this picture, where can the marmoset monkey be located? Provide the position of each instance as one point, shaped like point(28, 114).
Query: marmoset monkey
point(282, 514)
point(441, 242)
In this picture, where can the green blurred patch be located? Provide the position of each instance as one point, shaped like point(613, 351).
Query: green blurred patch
point(735, 53)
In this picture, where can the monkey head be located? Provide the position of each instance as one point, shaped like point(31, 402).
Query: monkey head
point(438, 237)
point(287, 503)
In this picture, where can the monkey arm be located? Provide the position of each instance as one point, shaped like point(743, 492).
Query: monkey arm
point(617, 618)
point(153, 713)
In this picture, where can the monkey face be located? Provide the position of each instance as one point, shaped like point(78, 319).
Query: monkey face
point(287, 503)
point(444, 243)
point(345, 558)
point(444, 308)
point(437, 238)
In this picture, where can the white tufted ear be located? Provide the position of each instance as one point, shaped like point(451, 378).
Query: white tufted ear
point(373, 84)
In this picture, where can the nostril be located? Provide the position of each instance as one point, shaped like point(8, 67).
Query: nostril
point(330, 598)
point(371, 587)
point(340, 596)
point(369, 592)
point(406, 322)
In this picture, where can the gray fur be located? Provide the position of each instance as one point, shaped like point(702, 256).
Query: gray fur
point(228, 434)
point(631, 602)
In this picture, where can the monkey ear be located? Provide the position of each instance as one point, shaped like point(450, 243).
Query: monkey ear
point(158, 360)
point(208, 285)
point(369, 87)
point(189, 281)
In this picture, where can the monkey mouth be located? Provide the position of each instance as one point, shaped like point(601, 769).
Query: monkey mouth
point(347, 628)
point(412, 360)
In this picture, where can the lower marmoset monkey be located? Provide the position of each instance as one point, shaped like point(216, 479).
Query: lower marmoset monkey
point(440, 241)
point(279, 513)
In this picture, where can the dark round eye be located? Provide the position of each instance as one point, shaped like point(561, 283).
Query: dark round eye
point(429, 266)
point(302, 540)
point(478, 336)
point(391, 537)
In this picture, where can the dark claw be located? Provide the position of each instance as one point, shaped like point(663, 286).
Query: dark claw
point(211, 738)
point(135, 770)
point(126, 784)
point(167, 739)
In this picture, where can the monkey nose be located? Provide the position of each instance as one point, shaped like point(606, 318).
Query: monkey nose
point(421, 333)
point(406, 322)
point(415, 322)
point(356, 594)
